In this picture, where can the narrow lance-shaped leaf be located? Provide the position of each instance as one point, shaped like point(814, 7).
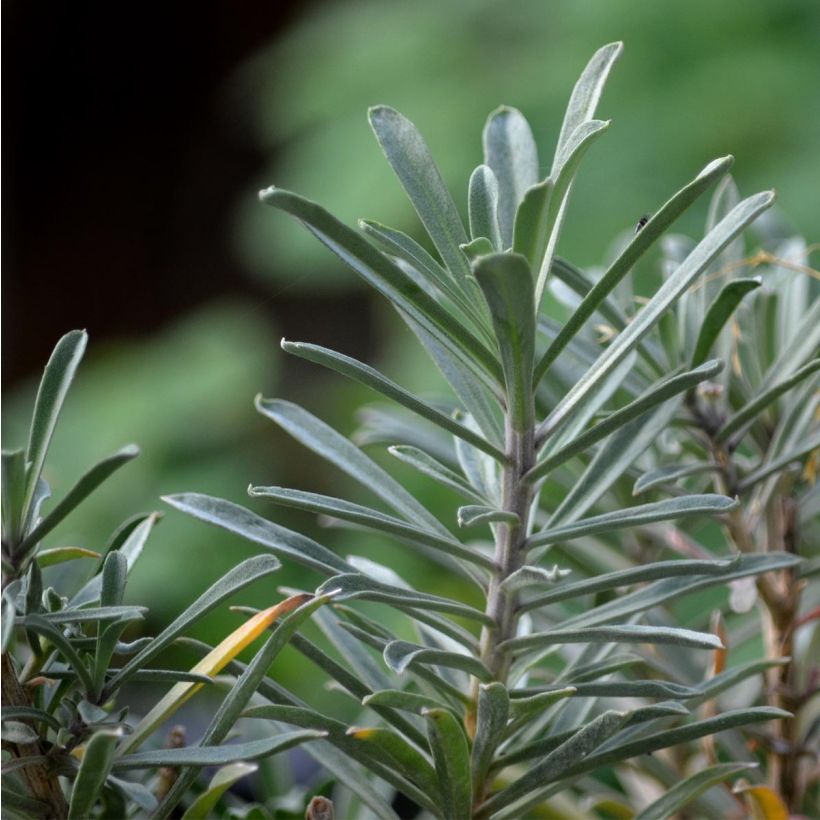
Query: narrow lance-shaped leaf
point(483, 206)
point(94, 768)
point(595, 298)
point(59, 555)
point(491, 719)
point(386, 277)
point(506, 282)
point(429, 466)
point(410, 158)
point(694, 264)
point(511, 153)
point(620, 418)
point(452, 761)
point(472, 515)
point(224, 778)
point(57, 378)
point(670, 473)
point(80, 491)
point(210, 665)
point(370, 377)
point(684, 792)
point(780, 463)
point(719, 313)
point(401, 655)
point(668, 510)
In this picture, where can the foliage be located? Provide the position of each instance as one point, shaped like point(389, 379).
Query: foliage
point(500, 700)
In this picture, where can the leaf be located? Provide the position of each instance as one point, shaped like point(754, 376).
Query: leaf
point(483, 206)
point(736, 426)
point(473, 515)
point(387, 278)
point(224, 778)
point(511, 154)
point(368, 517)
point(671, 509)
point(429, 466)
point(685, 791)
point(627, 689)
point(410, 158)
point(528, 576)
point(765, 803)
point(359, 586)
point(29, 713)
point(13, 493)
point(492, 712)
point(666, 296)
point(92, 614)
point(620, 418)
point(335, 448)
point(406, 701)
point(621, 633)
point(210, 665)
point(59, 555)
point(634, 575)
point(243, 522)
point(37, 623)
point(237, 578)
point(720, 311)
point(57, 377)
point(594, 296)
point(94, 768)
point(670, 473)
point(13, 731)
point(712, 687)
point(506, 282)
point(573, 750)
point(201, 756)
point(780, 463)
point(402, 655)
point(452, 761)
point(79, 492)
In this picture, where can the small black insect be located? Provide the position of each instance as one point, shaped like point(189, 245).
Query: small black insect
point(642, 221)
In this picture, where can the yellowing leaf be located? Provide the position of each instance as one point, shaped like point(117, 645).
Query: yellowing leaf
point(764, 803)
point(47, 558)
point(213, 663)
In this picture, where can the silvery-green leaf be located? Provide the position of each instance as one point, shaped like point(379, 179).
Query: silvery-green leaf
point(14, 731)
point(400, 655)
point(780, 463)
point(96, 763)
point(406, 701)
point(483, 206)
point(222, 780)
point(492, 712)
point(624, 689)
point(451, 757)
point(472, 515)
point(511, 153)
point(670, 509)
point(410, 158)
point(477, 248)
point(669, 474)
point(726, 680)
point(528, 576)
point(425, 463)
point(370, 377)
point(666, 296)
point(635, 575)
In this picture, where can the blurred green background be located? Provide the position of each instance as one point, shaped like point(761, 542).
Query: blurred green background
point(152, 236)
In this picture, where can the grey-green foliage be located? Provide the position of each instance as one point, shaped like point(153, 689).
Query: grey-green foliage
point(547, 422)
point(65, 655)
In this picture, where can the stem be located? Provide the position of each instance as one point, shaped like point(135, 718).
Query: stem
point(40, 779)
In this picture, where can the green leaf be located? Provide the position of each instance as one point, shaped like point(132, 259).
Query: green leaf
point(731, 677)
point(474, 515)
point(57, 378)
point(224, 778)
point(779, 463)
point(634, 575)
point(94, 768)
point(720, 311)
point(80, 491)
point(736, 426)
point(685, 791)
point(619, 418)
point(368, 376)
point(491, 719)
point(348, 511)
point(243, 522)
point(387, 278)
point(573, 750)
point(623, 689)
point(483, 206)
point(13, 731)
point(429, 466)
point(511, 154)
point(335, 448)
point(671, 509)
point(528, 576)
point(525, 707)
point(30, 713)
point(201, 756)
point(594, 296)
point(669, 474)
point(666, 296)
point(238, 578)
point(37, 623)
point(402, 655)
point(506, 282)
point(621, 633)
point(452, 761)
point(115, 569)
point(13, 493)
point(410, 158)
point(91, 614)
point(59, 555)
point(406, 701)
point(476, 249)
